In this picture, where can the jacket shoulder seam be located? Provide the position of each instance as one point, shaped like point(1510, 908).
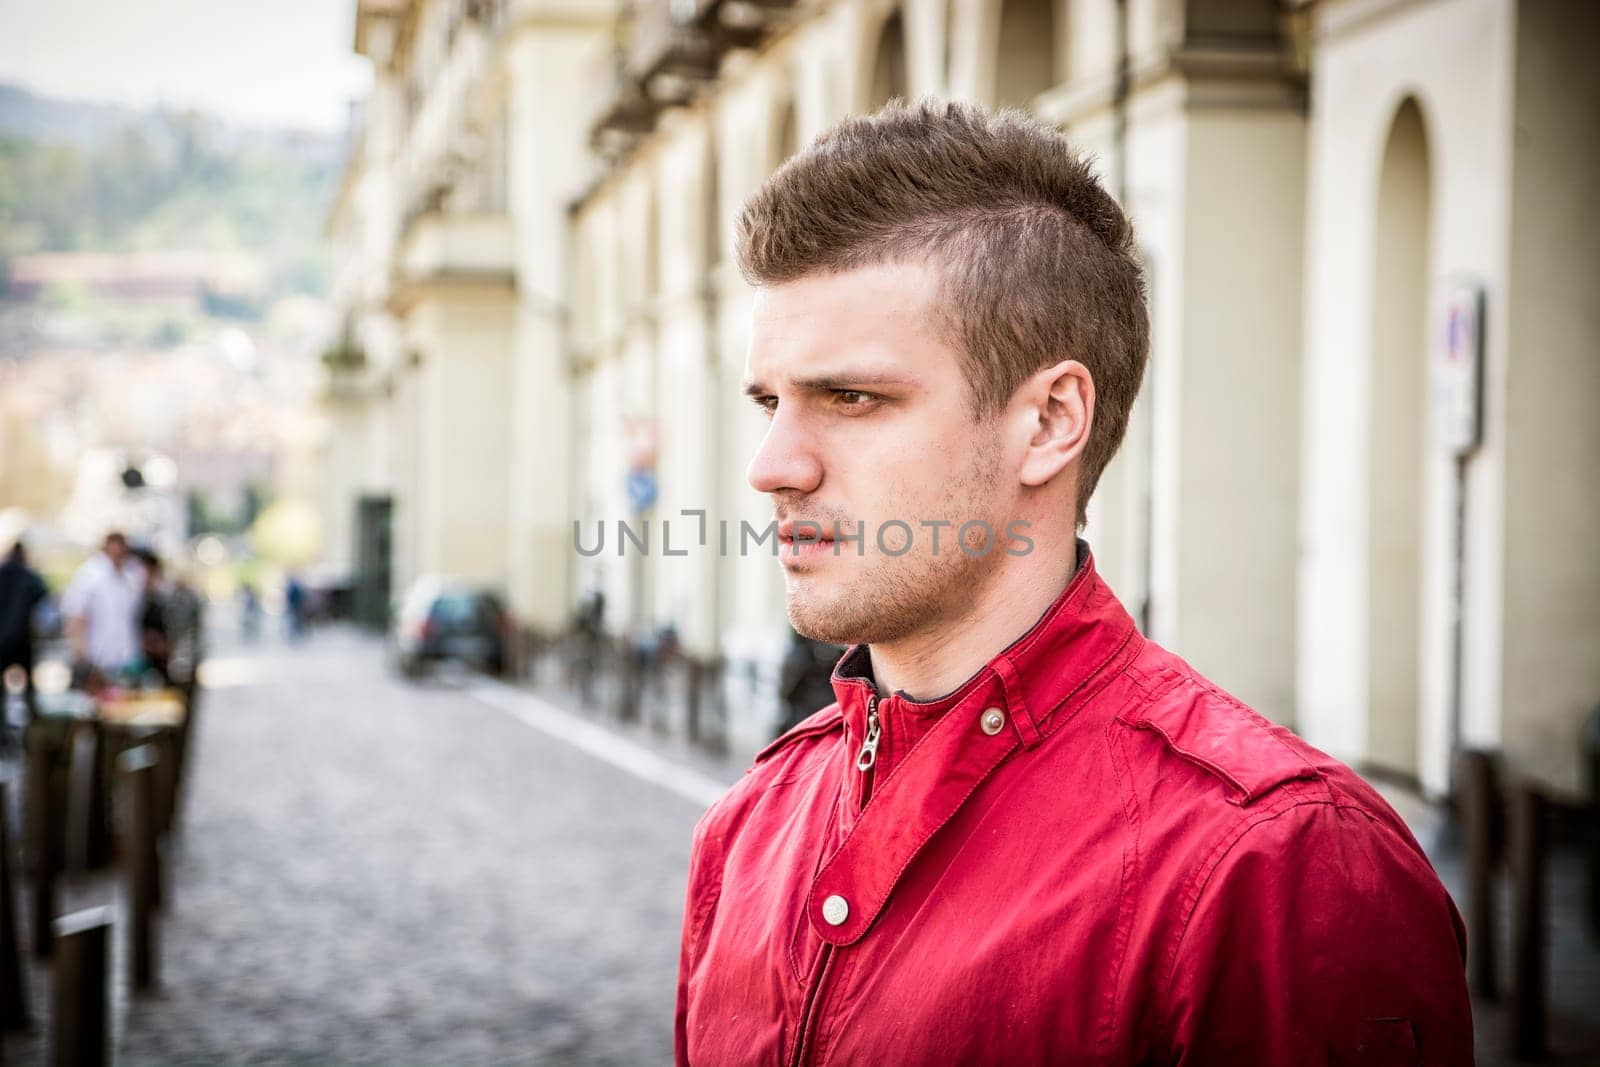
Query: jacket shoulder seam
point(1200, 880)
point(1170, 679)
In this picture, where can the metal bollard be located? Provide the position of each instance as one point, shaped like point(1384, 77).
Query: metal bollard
point(42, 824)
point(79, 1025)
point(141, 860)
point(1591, 744)
point(627, 691)
point(13, 989)
point(1529, 926)
point(1480, 804)
point(696, 683)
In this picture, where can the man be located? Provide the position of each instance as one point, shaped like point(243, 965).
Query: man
point(21, 590)
point(1024, 834)
point(102, 606)
point(155, 642)
point(184, 613)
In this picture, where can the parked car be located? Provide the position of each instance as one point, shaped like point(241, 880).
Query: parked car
point(443, 619)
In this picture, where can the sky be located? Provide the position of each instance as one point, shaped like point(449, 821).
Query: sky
point(260, 62)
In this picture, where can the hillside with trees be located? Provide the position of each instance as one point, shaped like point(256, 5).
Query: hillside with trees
point(78, 177)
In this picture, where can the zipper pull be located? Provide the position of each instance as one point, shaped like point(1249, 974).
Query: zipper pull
point(869, 747)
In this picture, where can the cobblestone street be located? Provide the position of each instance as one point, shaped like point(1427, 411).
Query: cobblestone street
point(459, 871)
point(372, 871)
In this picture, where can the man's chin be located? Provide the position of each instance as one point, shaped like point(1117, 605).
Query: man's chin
point(837, 613)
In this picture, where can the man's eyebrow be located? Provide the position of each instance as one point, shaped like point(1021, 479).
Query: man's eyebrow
point(822, 383)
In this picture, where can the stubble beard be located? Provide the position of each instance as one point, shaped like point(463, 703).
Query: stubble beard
point(896, 597)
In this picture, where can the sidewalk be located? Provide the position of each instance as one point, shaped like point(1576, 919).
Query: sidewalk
point(1574, 955)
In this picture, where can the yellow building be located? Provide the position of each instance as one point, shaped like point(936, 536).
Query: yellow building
point(1335, 200)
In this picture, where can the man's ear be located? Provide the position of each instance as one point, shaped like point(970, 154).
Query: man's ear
point(1055, 407)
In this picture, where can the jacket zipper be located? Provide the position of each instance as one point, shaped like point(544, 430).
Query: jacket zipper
point(866, 759)
point(868, 756)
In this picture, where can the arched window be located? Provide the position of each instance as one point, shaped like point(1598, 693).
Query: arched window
point(1397, 447)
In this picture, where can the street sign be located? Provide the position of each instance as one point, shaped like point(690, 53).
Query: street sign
point(1458, 371)
point(641, 490)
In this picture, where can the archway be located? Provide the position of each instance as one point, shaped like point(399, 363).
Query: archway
point(1396, 444)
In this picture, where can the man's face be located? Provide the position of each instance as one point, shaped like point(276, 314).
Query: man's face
point(871, 422)
point(116, 550)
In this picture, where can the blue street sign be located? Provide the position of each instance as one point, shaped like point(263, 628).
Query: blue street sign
point(641, 490)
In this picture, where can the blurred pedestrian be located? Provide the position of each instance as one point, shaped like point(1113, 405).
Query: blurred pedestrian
point(294, 598)
point(804, 685)
point(185, 616)
point(102, 606)
point(154, 633)
point(249, 611)
point(21, 590)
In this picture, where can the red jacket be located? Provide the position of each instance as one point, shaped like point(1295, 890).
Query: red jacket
point(1085, 854)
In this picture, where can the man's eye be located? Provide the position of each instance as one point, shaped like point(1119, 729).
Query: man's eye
point(769, 404)
point(852, 398)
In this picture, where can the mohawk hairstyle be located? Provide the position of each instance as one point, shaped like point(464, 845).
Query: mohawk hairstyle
point(1038, 263)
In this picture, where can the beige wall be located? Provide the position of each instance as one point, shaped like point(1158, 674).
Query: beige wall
point(1453, 57)
point(1230, 521)
point(546, 71)
point(463, 432)
point(1551, 678)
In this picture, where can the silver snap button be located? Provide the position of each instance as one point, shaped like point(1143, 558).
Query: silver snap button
point(835, 910)
point(992, 720)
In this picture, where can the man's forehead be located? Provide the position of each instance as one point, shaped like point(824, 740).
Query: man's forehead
point(873, 321)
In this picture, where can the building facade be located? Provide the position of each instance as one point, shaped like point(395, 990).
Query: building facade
point(1361, 222)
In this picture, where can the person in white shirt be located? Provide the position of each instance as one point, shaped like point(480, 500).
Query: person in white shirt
point(102, 605)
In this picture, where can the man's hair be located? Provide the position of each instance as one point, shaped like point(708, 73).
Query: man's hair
point(1038, 262)
point(115, 537)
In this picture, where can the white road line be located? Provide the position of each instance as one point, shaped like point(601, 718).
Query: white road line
point(596, 741)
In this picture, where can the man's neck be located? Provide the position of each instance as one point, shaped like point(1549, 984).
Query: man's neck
point(934, 662)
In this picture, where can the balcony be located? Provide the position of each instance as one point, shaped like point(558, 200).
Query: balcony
point(669, 54)
point(623, 114)
point(458, 253)
point(743, 23)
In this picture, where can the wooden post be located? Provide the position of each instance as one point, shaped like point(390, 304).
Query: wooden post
point(1480, 805)
point(82, 772)
point(1529, 925)
point(140, 860)
point(166, 742)
point(13, 987)
point(79, 1025)
point(182, 743)
point(42, 824)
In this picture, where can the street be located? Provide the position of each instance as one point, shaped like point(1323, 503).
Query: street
point(460, 871)
point(375, 871)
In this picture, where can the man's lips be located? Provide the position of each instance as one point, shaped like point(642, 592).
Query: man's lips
point(809, 533)
point(802, 539)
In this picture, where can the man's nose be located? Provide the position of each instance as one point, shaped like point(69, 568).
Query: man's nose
point(787, 458)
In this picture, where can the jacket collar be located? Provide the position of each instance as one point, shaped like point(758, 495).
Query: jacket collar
point(933, 756)
point(1031, 678)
